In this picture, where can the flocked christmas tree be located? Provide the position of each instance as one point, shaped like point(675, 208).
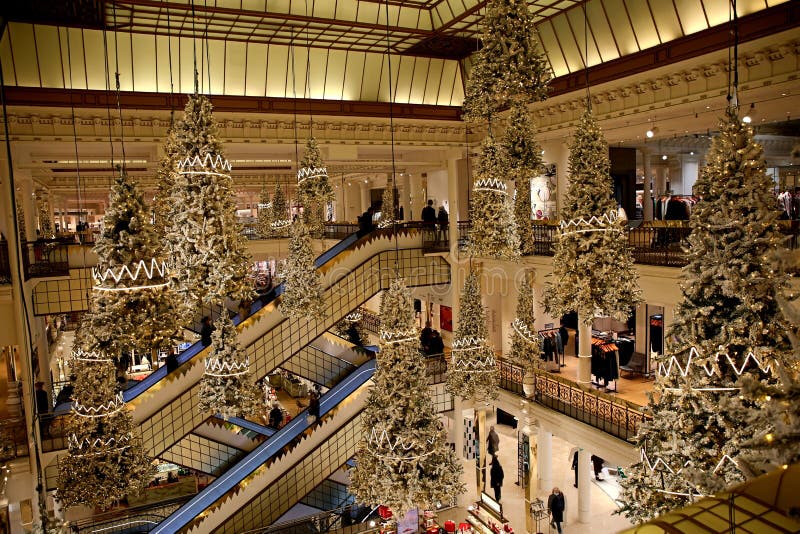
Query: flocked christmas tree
point(165, 181)
point(226, 387)
point(524, 161)
point(352, 329)
point(593, 271)
point(133, 305)
point(510, 66)
point(45, 220)
point(211, 259)
point(314, 188)
point(713, 424)
point(280, 213)
point(21, 228)
point(404, 461)
point(105, 459)
point(302, 289)
point(265, 220)
point(493, 233)
point(525, 342)
point(388, 212)
point(472, 373)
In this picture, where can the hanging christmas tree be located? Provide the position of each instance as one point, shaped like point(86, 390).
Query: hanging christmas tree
point(352, 329)
point(105, 459)
point(593, 271)
point(280, 213)
point(472, 373)
point(388, 212)
point(510, 66)
point(494, 232)
point(713, 424)
point(302, 293)
point(226, 387)
point(211, 259)
point(165, 181)
point(45, 220)
point(265, 221)
point(525, 342)
point(133, 305)
point(523, 157)
point(404, 461)
point(312, 176)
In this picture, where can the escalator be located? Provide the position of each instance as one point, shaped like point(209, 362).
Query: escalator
point(165, 407)
point(271, 479)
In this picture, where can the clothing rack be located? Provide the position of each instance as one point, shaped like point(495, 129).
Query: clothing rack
point(552, 345)
point(602, 348)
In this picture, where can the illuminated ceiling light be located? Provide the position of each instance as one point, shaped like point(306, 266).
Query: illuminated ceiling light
point(691, 153)
point(651, 132)
point(747, 119)
point(664, 157)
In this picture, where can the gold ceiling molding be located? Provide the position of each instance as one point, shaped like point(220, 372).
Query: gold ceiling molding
point(31, 126)
point(758, 68)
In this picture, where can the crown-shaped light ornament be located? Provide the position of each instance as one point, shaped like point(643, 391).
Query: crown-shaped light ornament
point(119, 444)
point(353, 317)
point(492, 185)
point(143, 272)
point(222, 369)
point(655, 464)
point(107, 409)
point(208, 164)
point(522, 329)
point(382, 445)
point(602, 223)
point(311, 173)
point(89, 356)
point(398, 337)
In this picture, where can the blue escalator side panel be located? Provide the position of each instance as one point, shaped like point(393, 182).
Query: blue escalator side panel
point(263, 453)
point(160, 373)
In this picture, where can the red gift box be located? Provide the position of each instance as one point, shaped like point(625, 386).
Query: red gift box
point(384, 512)
point(449, 526)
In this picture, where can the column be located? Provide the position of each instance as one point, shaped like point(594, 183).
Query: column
point(545, 459)
point(341, 202)
point(458, 440)
point(556, 151)
point(364, 190)
point(584, 487)
point(660, 180)
point(482, 463)
point(690, 168)
point(647, 199)
point(416, 198)
point(457, 186)
point(25, 197)
point(531, 472)
point(584, 351)
point(404, 192)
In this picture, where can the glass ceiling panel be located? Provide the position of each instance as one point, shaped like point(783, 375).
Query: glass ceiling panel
point(601, 31)
point(642, 22)
point(50, 71)
point(692, 16)
point(577, 23)
point(547, 38)
point(621, 26)
point(255, 84)
point(666, 20)
point(566, 40)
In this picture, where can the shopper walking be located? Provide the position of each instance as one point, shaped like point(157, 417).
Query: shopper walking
point(556, 505)
point(496, 477)
point(492, 442)
point(205, 331)
point(443, 219)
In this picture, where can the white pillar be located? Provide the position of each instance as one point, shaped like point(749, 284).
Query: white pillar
point(661, 180)
point(364, 190)
point(584, 352)
point(556, 151)
point(584, 487)
point(457, 185)
point(458, 440)
point(545, 459)
point(689, 171)
point(404, 192)
point(530, 477)
point(416, 198)
point(647, 198)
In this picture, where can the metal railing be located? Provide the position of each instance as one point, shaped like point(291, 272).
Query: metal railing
point(13, 439)
point(46, 257)
point(614, 416)
point(332, 231)
point(129, 520)
point(652, 242)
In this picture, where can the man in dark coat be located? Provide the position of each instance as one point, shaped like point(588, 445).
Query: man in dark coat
point(205, 331)
point(496, 477)
point(429, 221)
point(492, 441)
point(556, 505)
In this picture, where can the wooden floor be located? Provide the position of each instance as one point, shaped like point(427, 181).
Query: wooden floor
point(633, 388)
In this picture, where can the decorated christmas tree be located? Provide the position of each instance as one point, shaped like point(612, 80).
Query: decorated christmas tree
point(593, 271)
point(510, 67)
point(211, 259)
point(226, 387)
point(388, 212)
point(525, 343)
point(352, 329)
point(280, 213)
point(105, 459)
point(165, 181)
point(312, 176)
point(472, 373)
point(715, 420)
point(494, 232)
point(524, 160)
point(23, 230)
point(265, 214)
point(133, 305)
point(45, 220)
point(404, 461)
point(302, 293)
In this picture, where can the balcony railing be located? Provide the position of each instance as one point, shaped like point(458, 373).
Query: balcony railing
point(652, 242)
point(46, 257)
point(614, 416)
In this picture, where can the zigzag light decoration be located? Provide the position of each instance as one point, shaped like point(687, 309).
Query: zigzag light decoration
point(603, 223)
point(217, 163)
point(74, 443)
point(493, 185)
point(104, 410)
point(674, 365)
point(219, 368)
point(281, 224)
point(522, 329)
point(652, 467)
point(150, 272)
point(311, 173)
point(391, 338)
point(379, 439)
point(353, 317)
point(471, 365)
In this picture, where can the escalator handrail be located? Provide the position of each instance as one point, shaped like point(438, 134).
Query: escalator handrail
point(249, 425)
point(161, 373)
point(261, 454)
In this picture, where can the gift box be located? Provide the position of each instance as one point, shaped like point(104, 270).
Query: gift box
point(384, 512)
point(449, 526)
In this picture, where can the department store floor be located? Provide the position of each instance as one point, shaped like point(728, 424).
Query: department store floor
point(602, 492)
